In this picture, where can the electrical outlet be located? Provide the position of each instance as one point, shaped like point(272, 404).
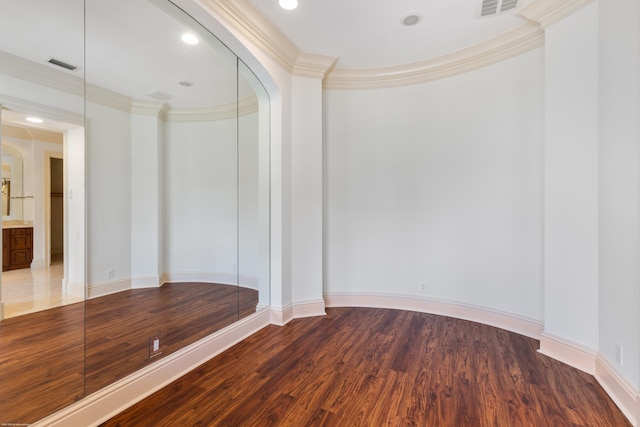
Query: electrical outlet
point(423, 286)
point(110, 273)
point(619, 354)
point(154, 346)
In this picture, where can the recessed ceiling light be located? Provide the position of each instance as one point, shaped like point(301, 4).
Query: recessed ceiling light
point(34, 120)
point(411, 20)
point(190, 39)
point(288, 4)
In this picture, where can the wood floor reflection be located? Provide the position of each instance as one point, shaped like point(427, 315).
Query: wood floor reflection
point(42, 355)
point(119, 326)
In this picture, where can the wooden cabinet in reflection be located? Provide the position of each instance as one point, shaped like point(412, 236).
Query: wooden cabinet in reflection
point(17, 248)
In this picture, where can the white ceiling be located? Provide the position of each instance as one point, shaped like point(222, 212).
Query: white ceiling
point(133, 47)
point(370, 33)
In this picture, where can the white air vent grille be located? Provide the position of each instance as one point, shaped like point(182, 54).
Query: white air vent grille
point(496, 7)
point(160, 95)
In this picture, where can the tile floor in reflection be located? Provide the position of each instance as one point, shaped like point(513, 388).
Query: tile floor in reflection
point(34, 289)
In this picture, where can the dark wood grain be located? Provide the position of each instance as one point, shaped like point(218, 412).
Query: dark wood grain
point(119, 326)
point(41, 363)
point(42, 355)
point(375, 367)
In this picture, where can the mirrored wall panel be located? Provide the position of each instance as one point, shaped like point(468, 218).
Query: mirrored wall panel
point(42, 288)
point(135, 194)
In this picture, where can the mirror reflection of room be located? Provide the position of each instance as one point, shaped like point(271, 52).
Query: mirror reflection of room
point(32, 216)
point(165, 194)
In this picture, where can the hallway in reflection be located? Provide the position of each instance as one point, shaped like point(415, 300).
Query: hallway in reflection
point(28, 290)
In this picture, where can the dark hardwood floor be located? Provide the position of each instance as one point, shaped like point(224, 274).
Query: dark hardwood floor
point(42, 355)
point(375, 367)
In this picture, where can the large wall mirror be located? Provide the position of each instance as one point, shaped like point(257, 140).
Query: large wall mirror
point(135, 154)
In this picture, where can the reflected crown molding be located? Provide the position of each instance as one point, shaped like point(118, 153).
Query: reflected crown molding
point(17, 67)
point(547, 12)
point(31, 134)
point(248, 105)
point(24, 69)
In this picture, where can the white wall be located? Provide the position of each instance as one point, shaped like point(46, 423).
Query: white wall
point(619, 168)
point(108, 170)
point(440, 183)
point(571, 176)
point(201, 207)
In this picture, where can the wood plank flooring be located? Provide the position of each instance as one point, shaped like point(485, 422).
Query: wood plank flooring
point(41, 363)
point(42, 354)
point(376, 367)
point(119, 326)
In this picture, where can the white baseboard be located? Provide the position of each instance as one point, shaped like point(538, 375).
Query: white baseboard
point(211, 277)
point(518, 324)
point(309, 309)
point(624, 395)
point(113, 399)
point(106, 288)
point(281, 315)
point(73, 288)
point(142, 282)
point(568, 352)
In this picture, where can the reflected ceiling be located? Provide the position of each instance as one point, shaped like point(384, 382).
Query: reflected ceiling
point(118, 58)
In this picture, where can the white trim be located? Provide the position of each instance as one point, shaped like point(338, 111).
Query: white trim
point(505, 46)
point(247, 20)
point(281, 315)
point(243, 17)
point(309, 309)
point(510, 322)
point(141, 282)
point(310, 65)
point(244, 281)
point(566, 351)
point(113, 399)
point(107, 288)
point(73, 288)
point(623, 394)
point(548, 12)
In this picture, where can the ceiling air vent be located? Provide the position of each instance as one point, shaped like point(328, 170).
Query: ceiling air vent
point(62, 64)
point(496, 7)
point(160, 95)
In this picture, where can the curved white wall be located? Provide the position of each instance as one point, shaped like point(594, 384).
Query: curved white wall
point(439, 184)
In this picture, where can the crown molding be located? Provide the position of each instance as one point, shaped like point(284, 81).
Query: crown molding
point(18, 104)
point(19, 132)
point(232, 110)
point(548, 12)
point(149, 108)
point(108, 98)
point(312, 65)
point(512, 43)
point(247, 19)
point(41, 74)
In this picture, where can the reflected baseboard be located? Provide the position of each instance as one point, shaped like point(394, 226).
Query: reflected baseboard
point(106, 288)
point(140, 282)
point(111, 400)
point(245, 281)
